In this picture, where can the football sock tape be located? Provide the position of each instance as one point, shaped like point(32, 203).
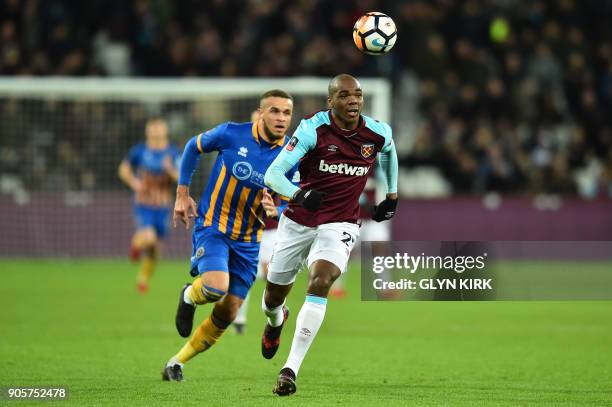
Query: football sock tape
point(202, 294)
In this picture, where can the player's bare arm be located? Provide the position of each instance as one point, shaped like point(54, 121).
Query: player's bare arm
point(185, 207)
point(268, 204)
point(128, 177)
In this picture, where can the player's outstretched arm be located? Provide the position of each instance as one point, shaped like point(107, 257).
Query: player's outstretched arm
point(185, 207)
point(304, 139)
point(213, 140)
point(276, 177)
point(269, 199)
point(387, 160)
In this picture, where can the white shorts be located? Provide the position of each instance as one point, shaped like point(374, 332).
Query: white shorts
point(267, 245)
point(298, 245)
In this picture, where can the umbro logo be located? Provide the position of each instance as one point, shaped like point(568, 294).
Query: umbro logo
point(305, 331)
point(243, 151)
point(333, 148)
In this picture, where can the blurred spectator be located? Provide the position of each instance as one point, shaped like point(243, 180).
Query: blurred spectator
point(513, 95)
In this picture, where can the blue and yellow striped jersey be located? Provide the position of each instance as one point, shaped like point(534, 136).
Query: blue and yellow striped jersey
point(231, 202)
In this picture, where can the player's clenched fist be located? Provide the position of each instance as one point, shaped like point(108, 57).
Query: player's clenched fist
point(384, 210)
point(185, 207)
point(268, 204)
point(309, 199)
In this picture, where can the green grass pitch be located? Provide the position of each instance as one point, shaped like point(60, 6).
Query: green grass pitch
point(82, 324)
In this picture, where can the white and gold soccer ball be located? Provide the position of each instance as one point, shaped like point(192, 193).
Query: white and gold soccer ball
point(375, 33)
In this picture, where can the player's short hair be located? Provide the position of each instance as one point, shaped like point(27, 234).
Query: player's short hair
point(334, 83)
point(279, 93)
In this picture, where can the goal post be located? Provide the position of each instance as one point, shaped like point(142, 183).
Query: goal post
point(62, 139)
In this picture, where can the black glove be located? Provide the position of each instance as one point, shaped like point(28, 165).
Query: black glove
point(384, 210)
point(309, 199)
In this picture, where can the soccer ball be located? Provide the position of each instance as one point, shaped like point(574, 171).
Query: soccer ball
point(374, 33)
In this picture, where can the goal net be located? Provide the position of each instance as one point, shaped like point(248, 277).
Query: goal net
point(61, 142)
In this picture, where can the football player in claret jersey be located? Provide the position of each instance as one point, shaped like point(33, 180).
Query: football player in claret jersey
point(228, 221)
point(150, 170)
point(335, 149)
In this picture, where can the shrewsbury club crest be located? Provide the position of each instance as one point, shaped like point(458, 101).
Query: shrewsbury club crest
point(367, 150)
point(199, 252)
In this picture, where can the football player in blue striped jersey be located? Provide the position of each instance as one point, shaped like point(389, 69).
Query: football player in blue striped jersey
point(228, 220)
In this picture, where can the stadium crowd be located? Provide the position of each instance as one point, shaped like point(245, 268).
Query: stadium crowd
point(502, 95)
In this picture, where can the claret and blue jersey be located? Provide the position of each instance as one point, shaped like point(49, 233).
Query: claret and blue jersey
point(334, 161)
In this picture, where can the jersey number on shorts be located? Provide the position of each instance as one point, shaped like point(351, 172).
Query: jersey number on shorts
point(348, 240)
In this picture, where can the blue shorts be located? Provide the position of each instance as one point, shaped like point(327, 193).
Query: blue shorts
point(152, 217)
point(214, 251)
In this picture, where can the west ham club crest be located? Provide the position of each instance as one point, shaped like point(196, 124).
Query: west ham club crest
point(367, 150)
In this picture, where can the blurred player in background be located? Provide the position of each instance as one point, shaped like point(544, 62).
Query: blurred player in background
point(228, 221)
point(265, 250)
point(150, 170)
point(335, 150)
